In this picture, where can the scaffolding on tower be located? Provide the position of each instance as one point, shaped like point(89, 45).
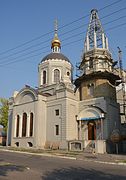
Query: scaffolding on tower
point(123, 90)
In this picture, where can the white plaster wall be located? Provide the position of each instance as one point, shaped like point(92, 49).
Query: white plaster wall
point(111, 109)
point(100, 146)
point(98, 102)
point(53, 120)
point(19, 110)
point(40, 122)
point(85, 132)
point(112, 120)
point(71, 124)
point(26, 103)
point(52, 64)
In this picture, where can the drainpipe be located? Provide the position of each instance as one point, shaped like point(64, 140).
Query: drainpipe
point(78, 127)
point(102, 116)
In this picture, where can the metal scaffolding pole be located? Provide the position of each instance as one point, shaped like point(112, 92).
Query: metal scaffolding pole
point(123, 82)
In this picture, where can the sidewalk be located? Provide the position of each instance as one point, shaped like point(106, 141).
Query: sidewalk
point(98, 158)
point(103, 158)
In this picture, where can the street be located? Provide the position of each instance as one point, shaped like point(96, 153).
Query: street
point(19, 166)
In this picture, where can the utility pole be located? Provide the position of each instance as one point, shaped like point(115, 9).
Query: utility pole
point(123, 82)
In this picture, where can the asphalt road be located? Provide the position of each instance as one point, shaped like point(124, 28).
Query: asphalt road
point(16, 166)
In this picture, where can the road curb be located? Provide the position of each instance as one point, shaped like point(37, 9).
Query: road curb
point(113, 163)
point(65, 157)
point(41, 154)
point(103, 162)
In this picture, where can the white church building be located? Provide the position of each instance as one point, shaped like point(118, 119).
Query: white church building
point(62, 114)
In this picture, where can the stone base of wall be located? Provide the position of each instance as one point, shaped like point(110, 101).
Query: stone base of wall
point(3, 141)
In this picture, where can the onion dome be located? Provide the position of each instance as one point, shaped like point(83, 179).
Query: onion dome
point(55, 42)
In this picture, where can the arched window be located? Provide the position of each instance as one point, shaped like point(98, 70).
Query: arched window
point(56, 75)
point(17, 144)
point(44, 77)
point(17, 126)
point(31, 124)
point(24, 124)
point(30, 144)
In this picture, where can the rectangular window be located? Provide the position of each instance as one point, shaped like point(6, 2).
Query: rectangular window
point(57, 129)
point(57, 112)
point(91, 63)
point(91, 89)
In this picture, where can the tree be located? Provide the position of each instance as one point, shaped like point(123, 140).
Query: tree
point(4, 113)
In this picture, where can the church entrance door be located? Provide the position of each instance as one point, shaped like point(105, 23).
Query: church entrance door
point(91, 130)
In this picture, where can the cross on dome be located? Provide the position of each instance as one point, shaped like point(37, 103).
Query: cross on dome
point(56, 44)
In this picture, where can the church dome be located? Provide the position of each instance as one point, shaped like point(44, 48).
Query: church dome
point(55, 46)
point(55, 56)
point(55, 67)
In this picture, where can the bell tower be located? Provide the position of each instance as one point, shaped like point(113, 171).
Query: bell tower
point(98, 78)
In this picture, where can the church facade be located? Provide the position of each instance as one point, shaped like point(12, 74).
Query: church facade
point(62, 114)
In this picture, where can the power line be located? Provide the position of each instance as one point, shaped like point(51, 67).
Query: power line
point(120, 25)
point(114, 27)
point(11, 60)
point(108, 15)
point(19, 60)
point(18, 52)
point(110, 5)
point(26, 53)
point(121, 17)
point(68, 24)
point(103, 24)
point(113, 13)
point(39, 37)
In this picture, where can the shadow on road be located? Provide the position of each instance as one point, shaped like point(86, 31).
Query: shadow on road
point(6, 168)
point(80, 174)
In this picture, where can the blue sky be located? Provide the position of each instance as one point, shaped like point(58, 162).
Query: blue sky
point(26, 30)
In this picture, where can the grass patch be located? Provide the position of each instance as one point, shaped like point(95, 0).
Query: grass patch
point(49, 151)
point(121, 161)
point(5, 164)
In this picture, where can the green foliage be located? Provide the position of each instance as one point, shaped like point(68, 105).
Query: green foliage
point(4, 113)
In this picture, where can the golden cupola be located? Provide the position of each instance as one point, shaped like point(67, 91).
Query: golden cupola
point(56, 44)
